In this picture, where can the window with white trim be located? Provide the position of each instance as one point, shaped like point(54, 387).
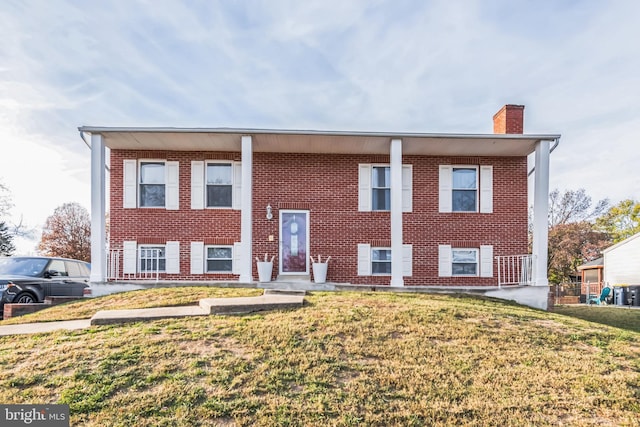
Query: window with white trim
point(152, 184)
point(219, 259)
point(216, 184)
point(464, 262)
point(472, 262)
point(380, 188)
point(374, 187)
point(377, 260)
point(219, 185)
point(380, 261)
point(151, 258)
point(464, 189)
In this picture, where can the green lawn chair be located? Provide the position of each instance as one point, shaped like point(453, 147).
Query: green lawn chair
point(602, 299)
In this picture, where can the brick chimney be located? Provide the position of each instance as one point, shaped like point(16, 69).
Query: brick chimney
point(510, 119)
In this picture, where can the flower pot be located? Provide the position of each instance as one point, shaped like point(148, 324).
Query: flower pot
point(320, 272)
point(264, 271)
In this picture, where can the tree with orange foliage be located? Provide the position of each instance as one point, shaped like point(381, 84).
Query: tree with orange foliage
point(67, 233)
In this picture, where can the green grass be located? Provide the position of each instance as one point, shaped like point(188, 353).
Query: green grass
point(619, 317)
point(344, 359)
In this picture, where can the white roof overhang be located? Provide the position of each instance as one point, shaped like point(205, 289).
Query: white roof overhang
point(327, 142)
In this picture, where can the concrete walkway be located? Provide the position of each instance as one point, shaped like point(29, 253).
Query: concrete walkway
point(273, 299)
point(37, 328)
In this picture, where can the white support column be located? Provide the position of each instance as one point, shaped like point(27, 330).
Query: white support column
point(396, 213)
point(98, 210)
point(540, 214)
point(246, 222)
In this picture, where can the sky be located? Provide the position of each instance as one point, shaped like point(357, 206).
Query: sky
point(359, 65)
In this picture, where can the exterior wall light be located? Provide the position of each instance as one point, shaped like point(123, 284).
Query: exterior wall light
point(269, 214)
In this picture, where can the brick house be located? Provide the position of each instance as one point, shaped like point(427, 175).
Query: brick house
point(398, 209)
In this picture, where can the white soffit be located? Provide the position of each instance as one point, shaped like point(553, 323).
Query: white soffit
point(287, 141)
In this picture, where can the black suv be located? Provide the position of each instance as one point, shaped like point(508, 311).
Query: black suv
point(32, 279)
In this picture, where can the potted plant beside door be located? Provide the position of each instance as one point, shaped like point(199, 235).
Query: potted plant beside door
point(265, 268)
point(320, 269)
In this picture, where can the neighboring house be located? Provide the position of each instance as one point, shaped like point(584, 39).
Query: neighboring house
point(591, 278)
point(622, 262)
point(399, 209)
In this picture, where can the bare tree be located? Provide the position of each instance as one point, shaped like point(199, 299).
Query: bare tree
point(6, 206)
point(5, 200)
point(573, 206)
point(67, 233)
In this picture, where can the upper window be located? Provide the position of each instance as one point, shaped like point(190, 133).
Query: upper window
point(152, 258)
point(381, 261)
point(465, 189)
point(219, 185)
point(152, 184)
point(381, 188)
point(374, 187)
point(219, 259)
point(464, 262)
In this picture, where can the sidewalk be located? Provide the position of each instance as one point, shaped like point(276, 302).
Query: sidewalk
point(273, 299)
point(37, 328)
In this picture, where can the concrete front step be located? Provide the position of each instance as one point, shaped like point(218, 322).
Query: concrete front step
point(110, 317)
point(273, 299)
point(305, 278)
point(276, 291)
point(251, 304)
point(299, 286)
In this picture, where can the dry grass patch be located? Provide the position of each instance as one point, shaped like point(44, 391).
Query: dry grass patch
point(344, 359)
point(149, 298)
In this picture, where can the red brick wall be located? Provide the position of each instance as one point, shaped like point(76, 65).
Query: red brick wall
point(327, 185)
point(151, 225)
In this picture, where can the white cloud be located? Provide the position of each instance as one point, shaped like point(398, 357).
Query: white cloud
point(437, 66)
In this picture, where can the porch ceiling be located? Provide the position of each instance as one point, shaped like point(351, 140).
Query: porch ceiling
point(292, 141)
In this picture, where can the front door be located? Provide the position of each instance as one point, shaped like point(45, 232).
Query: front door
point(294, 242)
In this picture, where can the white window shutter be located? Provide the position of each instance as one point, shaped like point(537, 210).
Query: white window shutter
point(130, 174)
point(197, 257)
point(197, 185)
point(129, 256)
point(172, 186)
point(407, 188)
point(486, 189)
point(237, 250)
point(407, 260)
point(172, 254)
point(486, 261)
point(364, 187)
point(364, 259)
point(236, 197)
point(444, 261)
point(445, 185)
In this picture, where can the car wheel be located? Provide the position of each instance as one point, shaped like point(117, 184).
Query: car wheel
point(24, 298)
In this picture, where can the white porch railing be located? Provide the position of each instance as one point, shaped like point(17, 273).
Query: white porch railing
point(149, 263)
point(515, 270)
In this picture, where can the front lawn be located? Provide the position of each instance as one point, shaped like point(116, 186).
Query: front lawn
point(344, 359)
